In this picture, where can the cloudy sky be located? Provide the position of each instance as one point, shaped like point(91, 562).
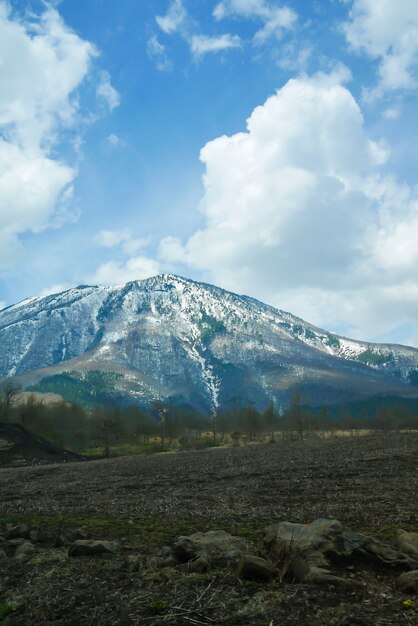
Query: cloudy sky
point(267, 147)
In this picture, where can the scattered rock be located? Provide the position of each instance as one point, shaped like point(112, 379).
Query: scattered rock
point(131, 563)
point(305, 551)
point(25, 549)
point(166, 552)
point(408, 582)
point(77, 534)
point(13, 543)
point(91, 547)
point(256, 568)
point(19, 531)
point(207, 549)
point(408, 542)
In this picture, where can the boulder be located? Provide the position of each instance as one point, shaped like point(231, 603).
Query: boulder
point(408, 542)
point(256, 568)
point(91, 547)
point(215, 547)
point(305, 552)
point(408, 582)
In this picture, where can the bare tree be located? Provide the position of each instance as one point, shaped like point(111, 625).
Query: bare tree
point(9, 391)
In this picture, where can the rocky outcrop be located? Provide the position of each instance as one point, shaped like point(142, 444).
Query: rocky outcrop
point(305, 552)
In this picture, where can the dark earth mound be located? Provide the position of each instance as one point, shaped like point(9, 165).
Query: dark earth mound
point(19, 447)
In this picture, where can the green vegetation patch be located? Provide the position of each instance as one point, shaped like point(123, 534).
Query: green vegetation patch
point(332, 342)
point(368, 357)
point(211, 326)
point(87, 388)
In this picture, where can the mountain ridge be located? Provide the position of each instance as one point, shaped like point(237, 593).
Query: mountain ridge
point(172, 337)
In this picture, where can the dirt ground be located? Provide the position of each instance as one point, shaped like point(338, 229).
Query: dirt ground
point(369, 483)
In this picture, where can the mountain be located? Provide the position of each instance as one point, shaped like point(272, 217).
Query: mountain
point(172, 339)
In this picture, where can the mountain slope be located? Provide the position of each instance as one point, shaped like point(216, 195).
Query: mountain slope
point(169, 337)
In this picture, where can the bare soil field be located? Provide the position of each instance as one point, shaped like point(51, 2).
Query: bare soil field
point(368, 483)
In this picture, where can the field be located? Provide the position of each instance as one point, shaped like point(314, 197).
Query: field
point(369, 483)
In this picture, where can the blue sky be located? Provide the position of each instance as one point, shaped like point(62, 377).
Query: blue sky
point(268, 147)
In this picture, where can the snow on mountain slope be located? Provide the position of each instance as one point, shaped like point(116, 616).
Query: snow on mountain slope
point(169, 337)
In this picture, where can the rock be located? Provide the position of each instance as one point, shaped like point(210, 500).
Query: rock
point(305, 551)
point(408, 542)
point(25, 549)
point(3, 554)
point(18, 531)
point(75, 535)
point(199, 565)
point(131, 563)
point(256, 568)
point(166, 552)
point(167, 558)
point(206, 549)
point(13, 543)
point(91, 547)
point(408, 582)
point(42, 535)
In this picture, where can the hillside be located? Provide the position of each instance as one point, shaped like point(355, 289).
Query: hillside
point(172, 339)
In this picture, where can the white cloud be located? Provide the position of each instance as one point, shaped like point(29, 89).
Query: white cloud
point(112, 238)
point(117, 273)
point(157, 53)
point(177, 21)
point(298, 213)
point(107, 92)
point(113, 141)
point(392, 113)
point(387, 30)
point(42, 65)
point(174, 18)
point(201, 44)
point(124, 237)
point(276, 19)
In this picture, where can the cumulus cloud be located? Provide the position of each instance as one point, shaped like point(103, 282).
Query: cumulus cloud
point(118, 273)
point(201, 44)
point(157, 53)
point(298, 212)
point(276, 19)
point(42, 65)
point(387, 31)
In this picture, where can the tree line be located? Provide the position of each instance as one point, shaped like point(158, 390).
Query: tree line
point(161, 427)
